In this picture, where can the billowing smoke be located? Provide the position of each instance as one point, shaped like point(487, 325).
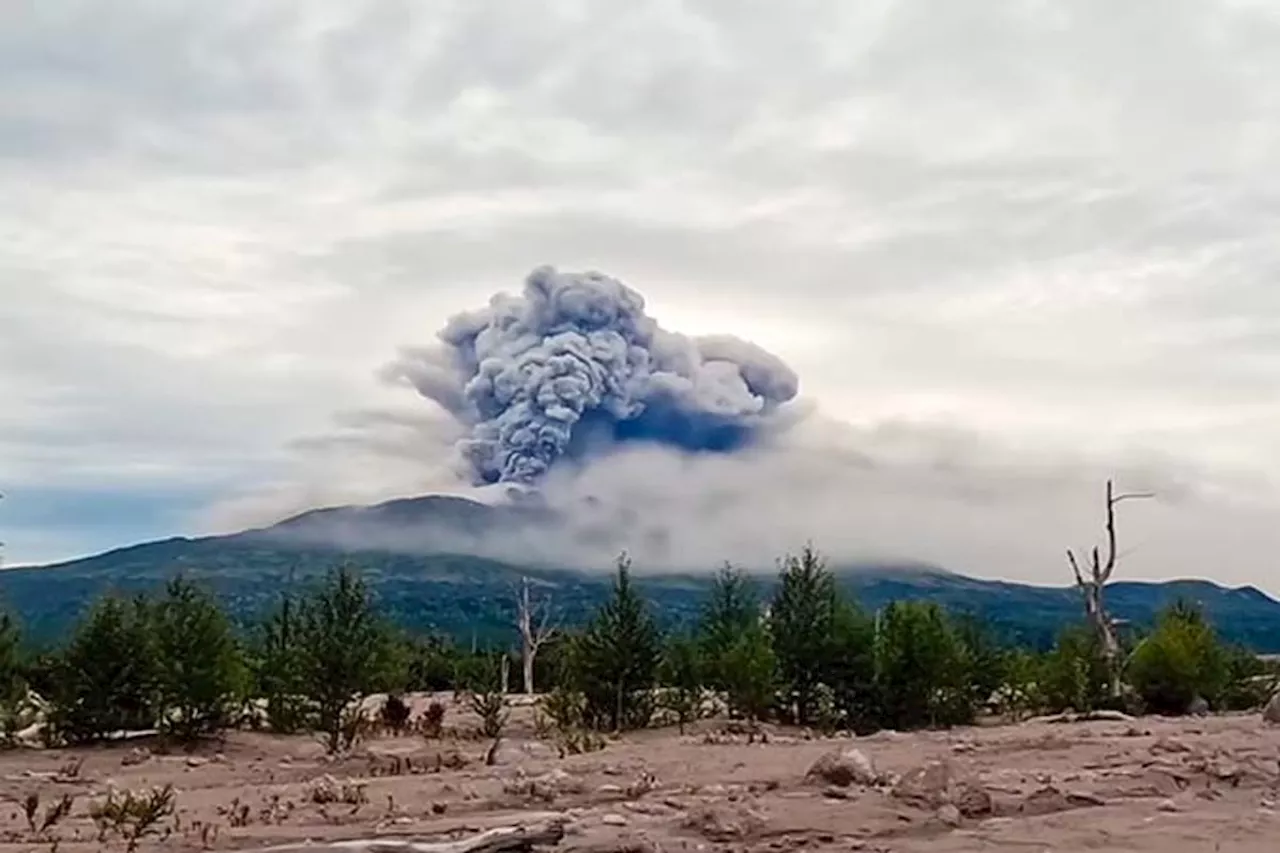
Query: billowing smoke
point(574, 366)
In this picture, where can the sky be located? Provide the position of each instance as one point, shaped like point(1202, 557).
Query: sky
point(1010, 248)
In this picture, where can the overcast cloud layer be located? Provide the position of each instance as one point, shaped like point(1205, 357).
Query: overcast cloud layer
point(1009, 248)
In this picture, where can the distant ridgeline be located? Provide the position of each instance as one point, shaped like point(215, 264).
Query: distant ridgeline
point(471, 598)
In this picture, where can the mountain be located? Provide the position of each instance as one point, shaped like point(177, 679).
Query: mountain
point(417, 555)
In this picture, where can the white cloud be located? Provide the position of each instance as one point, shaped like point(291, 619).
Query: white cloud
point(1044, 226)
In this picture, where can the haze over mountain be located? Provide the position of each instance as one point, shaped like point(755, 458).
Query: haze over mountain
point(973, 261)
point(433, 580)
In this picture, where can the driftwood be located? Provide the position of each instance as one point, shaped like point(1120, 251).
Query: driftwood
point(1083, 717)
point(503, 839)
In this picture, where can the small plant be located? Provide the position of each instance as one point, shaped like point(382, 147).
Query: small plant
point(237, 814)
point(395, 714)
point(431, 724)
point(564, 708)
point(40, 826)
point(491, 708)
point(133, 816)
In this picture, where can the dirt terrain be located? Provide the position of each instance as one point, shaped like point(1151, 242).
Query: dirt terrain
point(1200, 784)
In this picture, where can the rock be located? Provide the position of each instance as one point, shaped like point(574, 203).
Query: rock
point(614, 820)
point(950, 815)
point(971, 799)
point(844, 768)
point(1271, 713)
point(724, 824)
point(1043, 801)
point(135, 756)
point(940, 782)
point(197, 761)
point(1168, 744)
point(1198, 707)
point(1168, 806)
point(1082, 799)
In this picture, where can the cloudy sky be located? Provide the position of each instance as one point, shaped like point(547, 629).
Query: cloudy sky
point(1010, 248)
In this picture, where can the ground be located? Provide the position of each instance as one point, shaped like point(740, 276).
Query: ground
point(1200, 784)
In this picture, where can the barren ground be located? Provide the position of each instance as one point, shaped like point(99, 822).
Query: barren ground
point(1152, 785)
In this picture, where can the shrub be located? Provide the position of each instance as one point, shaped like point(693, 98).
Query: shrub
point(1074, 674)
point(1180, 660)
point(431, 724)
point(394, 714)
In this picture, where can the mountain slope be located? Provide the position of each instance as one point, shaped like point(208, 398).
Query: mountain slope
point(448, 590)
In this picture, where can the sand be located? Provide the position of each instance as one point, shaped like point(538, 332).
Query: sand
point(1198, 784)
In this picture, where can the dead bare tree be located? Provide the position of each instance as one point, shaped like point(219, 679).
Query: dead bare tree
point(1091, 587)
point(533, 620)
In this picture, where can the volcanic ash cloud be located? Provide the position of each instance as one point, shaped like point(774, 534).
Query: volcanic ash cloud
point(574, 366)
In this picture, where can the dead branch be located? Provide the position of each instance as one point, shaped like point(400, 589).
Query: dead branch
point(504, 839)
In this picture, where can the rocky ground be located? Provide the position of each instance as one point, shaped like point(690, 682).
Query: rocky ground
point(1201, 784)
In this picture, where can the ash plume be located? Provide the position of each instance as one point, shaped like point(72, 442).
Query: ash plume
point(573, 366)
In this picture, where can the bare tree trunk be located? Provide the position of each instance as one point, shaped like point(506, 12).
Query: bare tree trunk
point(1092, 584)
point(532, 620)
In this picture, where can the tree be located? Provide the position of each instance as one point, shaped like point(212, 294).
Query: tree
point(280, 667)
point(732, 607)
point(1074, 674)
point(200, 668)
point(920, 668)
point(680, 674)
point(1092, 585)
point(800, 621)
point(533, 623)
point(106, 679)
point(1179, 661)
point(615, 659)
point(851, 668)
point(749, 671)
point(344, 650)
point(13, 686)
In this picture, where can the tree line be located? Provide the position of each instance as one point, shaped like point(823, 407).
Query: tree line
point(807, 655)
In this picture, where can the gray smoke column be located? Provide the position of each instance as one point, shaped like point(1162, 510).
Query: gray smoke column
point(574, 364)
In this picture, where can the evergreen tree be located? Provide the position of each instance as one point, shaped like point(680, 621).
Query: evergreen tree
point(732, 608)
point(344, 650)
point(615, 659)
point(13, 685)
point(750, 674)
point(801, 621)
point(200, 668)
point(280, 661)
point(106, 679)
point(851, 669)
point(920, 668)
point(681, 676)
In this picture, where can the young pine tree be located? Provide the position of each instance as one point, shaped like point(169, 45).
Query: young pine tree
point(801, 621)
point(615, 660)
point(732, 608)
point(681, 676)
point(280, 667)
point(106, 680)
point(749, 672)
point(200, 669)
point(344, 650)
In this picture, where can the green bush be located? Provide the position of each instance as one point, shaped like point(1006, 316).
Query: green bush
point(107, 679)
point(1179, 661)
point(1074, 674)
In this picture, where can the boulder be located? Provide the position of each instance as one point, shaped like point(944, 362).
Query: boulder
point(1198, 707)
point(1271, 713)
point(937, 783)
point(843, 767)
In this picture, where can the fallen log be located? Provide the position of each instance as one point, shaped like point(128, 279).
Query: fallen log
point(503, 839)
